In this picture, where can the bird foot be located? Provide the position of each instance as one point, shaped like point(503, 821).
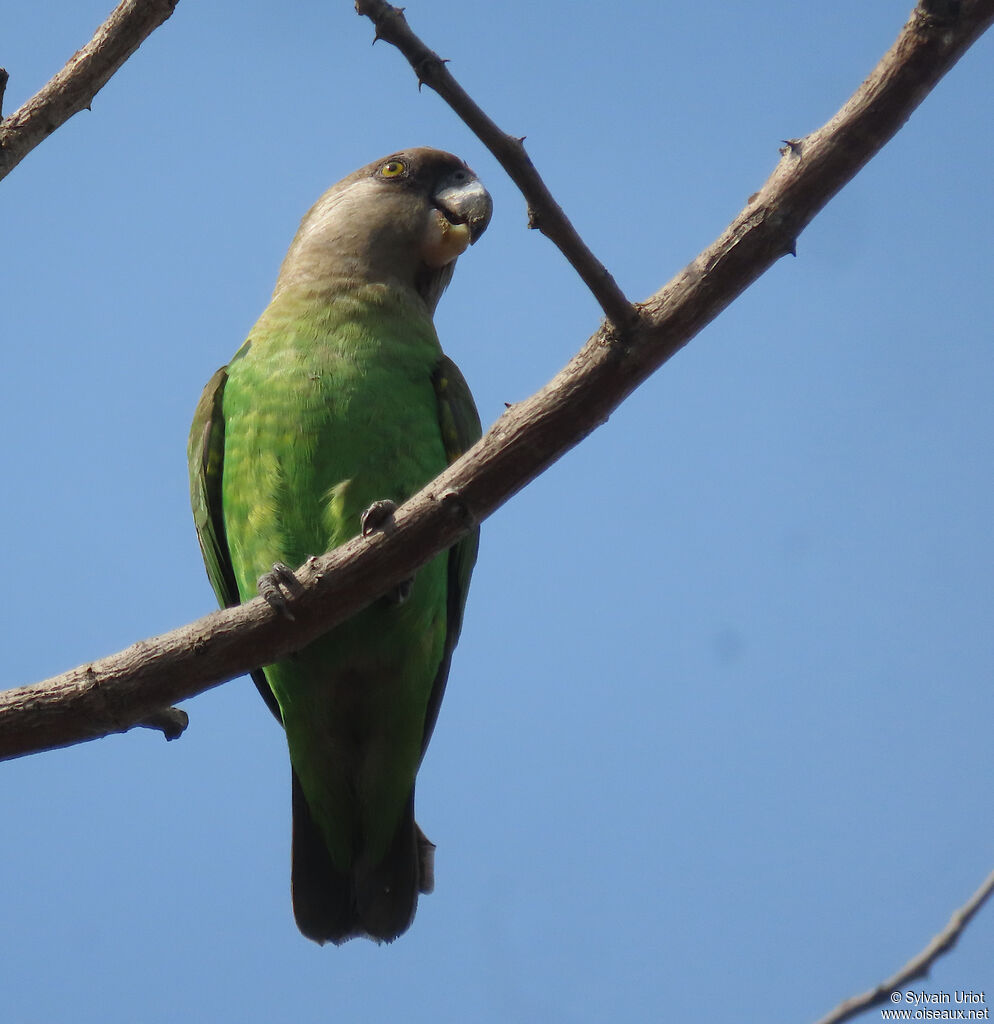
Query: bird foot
point(379, 516)
point(272, 584)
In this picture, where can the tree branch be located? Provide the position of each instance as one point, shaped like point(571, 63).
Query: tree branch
point(918, 966)
point(86, 73)
point(117, 692)
point(544, 212)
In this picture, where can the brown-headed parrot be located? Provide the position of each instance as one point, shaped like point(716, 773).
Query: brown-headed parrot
point(339, 401)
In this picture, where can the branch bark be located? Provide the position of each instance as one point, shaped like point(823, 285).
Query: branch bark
point(116, 693)
point(918, 966)
point(86, 73)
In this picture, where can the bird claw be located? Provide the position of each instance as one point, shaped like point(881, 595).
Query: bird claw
point(379, 516)
point(272, 584)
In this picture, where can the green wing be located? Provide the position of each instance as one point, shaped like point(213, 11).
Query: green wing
point(461, 429)
point(205, 454)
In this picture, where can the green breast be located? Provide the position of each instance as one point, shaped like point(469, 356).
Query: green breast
point(328, 407)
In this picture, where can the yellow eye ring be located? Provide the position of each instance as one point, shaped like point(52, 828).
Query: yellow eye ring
point(393, 169)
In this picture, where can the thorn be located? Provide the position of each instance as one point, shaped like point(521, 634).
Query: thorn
point(793, 146)
point(423, 68)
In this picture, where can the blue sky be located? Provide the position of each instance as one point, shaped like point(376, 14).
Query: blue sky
point(716, 742)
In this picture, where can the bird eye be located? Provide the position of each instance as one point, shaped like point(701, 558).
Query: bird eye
point(392, 168)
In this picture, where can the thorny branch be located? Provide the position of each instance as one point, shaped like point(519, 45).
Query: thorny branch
point(86, 73)
point(544, 212)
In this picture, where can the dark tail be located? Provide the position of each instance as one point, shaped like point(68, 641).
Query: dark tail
point(377, 901)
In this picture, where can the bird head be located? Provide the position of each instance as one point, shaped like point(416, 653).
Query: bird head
point(402, 220)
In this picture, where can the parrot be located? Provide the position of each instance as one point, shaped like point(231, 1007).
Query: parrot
point(339, 404)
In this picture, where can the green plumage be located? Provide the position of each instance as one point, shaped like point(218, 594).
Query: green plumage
point(341, 396)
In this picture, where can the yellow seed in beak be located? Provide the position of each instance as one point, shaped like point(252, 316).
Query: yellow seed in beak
point(443, 241)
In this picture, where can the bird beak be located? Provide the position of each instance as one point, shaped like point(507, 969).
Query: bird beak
point(465, 202)
point(461, 212)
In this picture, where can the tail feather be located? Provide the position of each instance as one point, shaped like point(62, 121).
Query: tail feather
point(426, 862)
point(387, 891)
point(323, 904)
point(377, 901)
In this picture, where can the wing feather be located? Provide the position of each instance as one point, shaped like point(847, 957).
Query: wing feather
point(460, 425)
point(205, 453)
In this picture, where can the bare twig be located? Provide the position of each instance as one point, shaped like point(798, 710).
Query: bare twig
point(171, 722)
point(544, 212)
point(86, 73)
point(3, 88)
point(119, 691)
point(918, 966)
